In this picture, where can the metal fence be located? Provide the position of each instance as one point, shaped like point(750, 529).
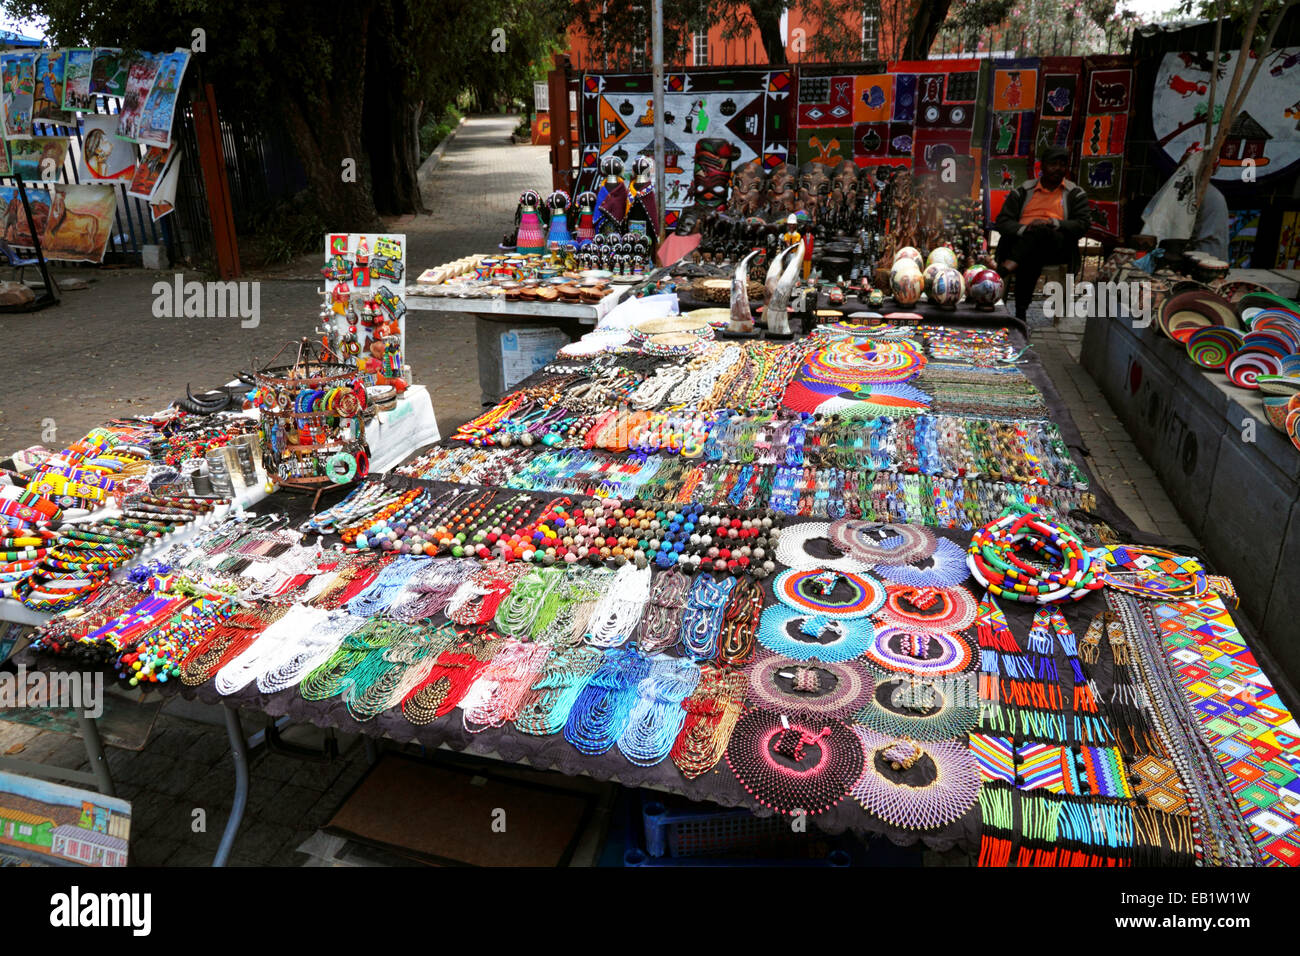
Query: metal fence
point(261, 166)
point(133, 225)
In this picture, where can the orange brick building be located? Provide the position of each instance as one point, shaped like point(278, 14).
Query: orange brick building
point(879, 40)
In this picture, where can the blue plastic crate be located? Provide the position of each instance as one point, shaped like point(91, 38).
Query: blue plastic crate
point(697, 836)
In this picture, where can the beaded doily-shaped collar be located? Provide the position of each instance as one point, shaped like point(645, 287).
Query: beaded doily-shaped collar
point(812, 686)
point(790, 633)
point(921, 709)
point(928, 654)
point(829, 760)
point(792, 549)
point(829, 593)
point(928, 609)
point(950, 794)
point(945, 568)
point(877, 543)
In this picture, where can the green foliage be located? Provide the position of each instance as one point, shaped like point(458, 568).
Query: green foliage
point(284, 231)
point(435, 130)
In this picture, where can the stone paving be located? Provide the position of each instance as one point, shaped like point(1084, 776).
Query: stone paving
point(1113, 458)
point(113, 357)
point(101, 352)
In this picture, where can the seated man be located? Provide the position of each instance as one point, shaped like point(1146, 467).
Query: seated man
point(1041, 224)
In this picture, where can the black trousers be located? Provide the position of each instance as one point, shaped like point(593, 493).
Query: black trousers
point(1030, 252)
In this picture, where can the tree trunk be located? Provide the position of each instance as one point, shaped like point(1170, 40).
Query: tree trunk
point(929, 18)
point(389, 121)
point(326, 134)
point(767, 16)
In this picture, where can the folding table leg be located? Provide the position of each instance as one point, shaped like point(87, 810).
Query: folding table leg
point(95, 754)
point(238, 750)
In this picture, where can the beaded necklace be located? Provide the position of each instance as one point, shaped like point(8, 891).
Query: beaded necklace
point(501, 689)
point(455, 669)
point(711, 713)
point(619, 610)
point(812, 686)
point(801, 637)
point(740, 621)
point(794, 764)
point(900, 799)
point(661, 625)
point(545, 709)
point(657, 716)
point(602, 710)
point(702, 616)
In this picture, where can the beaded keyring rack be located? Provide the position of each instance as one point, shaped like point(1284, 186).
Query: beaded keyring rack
point(320, 401)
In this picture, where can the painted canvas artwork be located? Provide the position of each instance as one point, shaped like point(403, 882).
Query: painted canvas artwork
point(139, 80)
point(108, 72)
point(17, 82)
point(76, 80)
point(39, 158)
point(104, 157)
point(47, 92)
point(160, 105)
point(149, 171)
point(14, 227)
point(44, 822)
point(80, 222)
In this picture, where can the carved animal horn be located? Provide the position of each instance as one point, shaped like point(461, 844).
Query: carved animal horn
point(778, 319)
point(774, 270)
point(742, 317)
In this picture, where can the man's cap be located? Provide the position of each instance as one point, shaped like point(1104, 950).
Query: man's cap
point(1055, 152)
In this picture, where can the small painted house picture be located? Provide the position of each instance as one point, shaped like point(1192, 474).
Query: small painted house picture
point(1246, 139)
point(21, 828)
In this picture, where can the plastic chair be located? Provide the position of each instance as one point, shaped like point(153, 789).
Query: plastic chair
point(16, 261)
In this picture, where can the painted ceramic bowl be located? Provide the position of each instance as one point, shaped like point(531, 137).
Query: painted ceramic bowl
point(1275, 410)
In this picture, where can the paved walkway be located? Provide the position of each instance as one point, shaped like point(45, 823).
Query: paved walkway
point(102, 353)
point(1113, 458)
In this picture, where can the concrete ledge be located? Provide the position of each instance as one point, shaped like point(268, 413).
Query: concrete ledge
point(1241, 498)
point(429, 165)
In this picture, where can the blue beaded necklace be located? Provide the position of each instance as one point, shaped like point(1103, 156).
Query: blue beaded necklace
point(850, 638)
point(945, 568)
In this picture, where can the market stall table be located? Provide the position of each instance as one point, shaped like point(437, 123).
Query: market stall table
point(555, 751)
point(497, 316)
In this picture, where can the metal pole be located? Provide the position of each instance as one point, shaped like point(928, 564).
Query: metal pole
point(657, 42)
point(238, 751)
point(95, 754)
